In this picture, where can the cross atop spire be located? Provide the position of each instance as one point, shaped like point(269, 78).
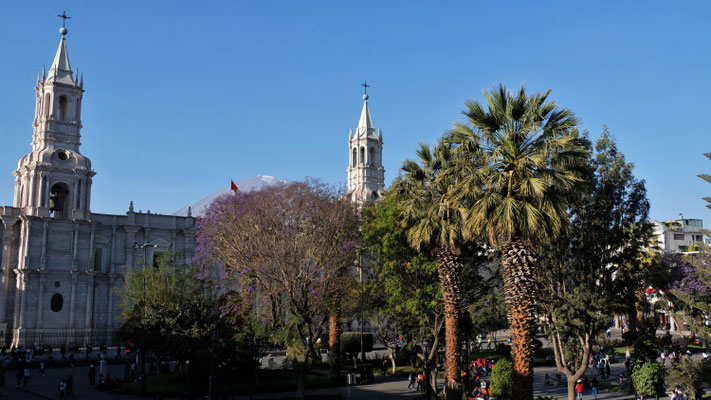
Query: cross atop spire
point(64, 18)
point(365, 87)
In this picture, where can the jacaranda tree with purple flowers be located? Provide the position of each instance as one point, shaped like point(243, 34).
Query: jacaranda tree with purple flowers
point(689, 289)
point(283, 252)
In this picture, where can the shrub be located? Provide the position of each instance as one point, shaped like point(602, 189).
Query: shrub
point(648, 378)
point(501, 378)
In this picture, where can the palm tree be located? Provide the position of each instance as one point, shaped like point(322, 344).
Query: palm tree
point(529, 155)
point(435, 222)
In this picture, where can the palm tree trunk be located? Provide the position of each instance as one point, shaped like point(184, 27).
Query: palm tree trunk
point(334, 337)
point(449, 267)
point(520, 287)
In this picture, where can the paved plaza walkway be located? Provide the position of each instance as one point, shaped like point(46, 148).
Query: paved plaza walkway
point(46, 387)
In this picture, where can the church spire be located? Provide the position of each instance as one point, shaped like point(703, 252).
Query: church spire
point(365, 124)
point(61, 71)
point(366, 175)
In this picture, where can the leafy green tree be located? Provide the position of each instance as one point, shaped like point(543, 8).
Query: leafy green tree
point(178, 316)
point(578, 295)
point(435, 221)
point(519, 159)
point(485, 300)
point(648, 379)
point(405, 280)
point(689, 377)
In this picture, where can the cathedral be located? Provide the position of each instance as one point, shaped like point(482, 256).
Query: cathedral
point(61, 263)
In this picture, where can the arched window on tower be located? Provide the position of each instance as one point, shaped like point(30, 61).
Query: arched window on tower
point(362, 155)
point(63, 108)
point(354, 159)
point(371, 156)
point(47, 102)
point(58, 200)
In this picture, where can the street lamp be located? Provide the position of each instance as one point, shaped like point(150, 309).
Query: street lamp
point(145, 247)
point(360, 324)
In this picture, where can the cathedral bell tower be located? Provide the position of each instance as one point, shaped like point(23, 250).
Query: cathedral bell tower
point(54, 180)
point(366, 175)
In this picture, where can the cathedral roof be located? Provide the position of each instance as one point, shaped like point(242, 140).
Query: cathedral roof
point(61, 71)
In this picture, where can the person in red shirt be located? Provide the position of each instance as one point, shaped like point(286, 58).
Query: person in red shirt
point(579, 389)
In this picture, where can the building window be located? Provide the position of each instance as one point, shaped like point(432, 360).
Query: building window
point(355, 156)
point(47, 101)
point(63, 108)
point(58, 203)
point(362, 155)
point(99, 259)
point(57, 302)
point(678, 236)
point(371, 158)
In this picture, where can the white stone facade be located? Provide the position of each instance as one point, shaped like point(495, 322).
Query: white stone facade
point(60, 264)
point(366, 175)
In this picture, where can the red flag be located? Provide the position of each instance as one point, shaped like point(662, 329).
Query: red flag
point(233, 187)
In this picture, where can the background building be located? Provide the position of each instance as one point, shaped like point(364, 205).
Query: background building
point(677, 235)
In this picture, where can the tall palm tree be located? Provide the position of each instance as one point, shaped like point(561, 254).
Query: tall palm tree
point(529, 156)
point(436, 223)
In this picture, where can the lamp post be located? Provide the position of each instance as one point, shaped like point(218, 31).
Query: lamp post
point(145, 247)
point(360, 324)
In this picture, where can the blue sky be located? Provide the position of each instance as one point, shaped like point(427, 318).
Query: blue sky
point(183, 96)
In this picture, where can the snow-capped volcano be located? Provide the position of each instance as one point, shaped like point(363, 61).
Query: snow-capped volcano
point(246, 185)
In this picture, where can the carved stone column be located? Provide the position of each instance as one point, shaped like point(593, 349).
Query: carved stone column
point(43, 259)
point(72, 298)
point(22, 282)
point(111, 268)
point(89, 299)
point(75, 247)
point(92, 248)
point(110, 305)
point(18, 297)
point(40, 298)
point(5, 269)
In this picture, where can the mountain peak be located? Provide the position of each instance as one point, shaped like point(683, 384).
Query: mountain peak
point(256, 182)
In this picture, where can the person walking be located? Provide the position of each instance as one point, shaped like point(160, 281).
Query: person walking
point(62, 390)
point(41, 371)
point(26, 376)
point(411, 378)
point(92, 375)
point(663, 357)
point(579, 389)
point(593, 385)
point(70, 386)
point(18, 375)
